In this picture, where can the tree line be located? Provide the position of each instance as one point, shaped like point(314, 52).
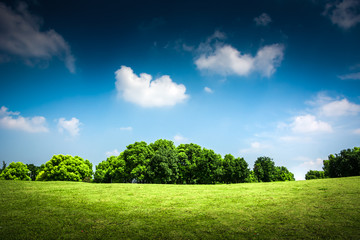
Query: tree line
point(344, 164)
point(158, 162)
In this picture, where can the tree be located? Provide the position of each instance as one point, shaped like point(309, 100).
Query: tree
point(15, 171)
point(34, 171)
point(264, 169)
point(283, 174)
point(344, 164)
point(235, 170)
point(112, 170)
point(65, 168)
point(163, 167)
point(3, 167)
point(208, 167)
point(188, 155)
point(313, 174)
point(137, 157)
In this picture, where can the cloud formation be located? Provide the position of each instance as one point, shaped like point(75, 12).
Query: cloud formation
point(144, 91)
point(20, 36)
point(115, 152)
point(208, 90)
point(223, 59)
point(126, 128)
point(13, 120)
point(71, 126)
point(345, 14)
point(309, 124)
point(350, 76)
point(262, 20)
point(339, 108)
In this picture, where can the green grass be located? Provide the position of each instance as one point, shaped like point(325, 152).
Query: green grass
point(316, 209)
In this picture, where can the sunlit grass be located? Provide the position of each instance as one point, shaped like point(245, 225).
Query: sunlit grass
point(316, 209)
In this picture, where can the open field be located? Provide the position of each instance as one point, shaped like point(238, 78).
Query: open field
point(316, 209)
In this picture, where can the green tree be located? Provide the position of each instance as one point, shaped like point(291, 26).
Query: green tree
point(188, 155)
point(3, 167)
point(283, 174)
point(65, 168)
point(15, 171)
point(34, 171)
point(313, 174)
point(209, 167)
point(163, 167)
point(264, 169)
point(344, 164)
point(137, 157)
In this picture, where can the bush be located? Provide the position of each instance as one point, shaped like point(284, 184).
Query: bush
point(15, 171)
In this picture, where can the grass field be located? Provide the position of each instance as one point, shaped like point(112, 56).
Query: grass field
point(316, 209)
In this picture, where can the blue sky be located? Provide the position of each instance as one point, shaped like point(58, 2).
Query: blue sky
point(251, 78)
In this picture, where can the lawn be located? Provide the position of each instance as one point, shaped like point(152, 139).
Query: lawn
point(315, 209)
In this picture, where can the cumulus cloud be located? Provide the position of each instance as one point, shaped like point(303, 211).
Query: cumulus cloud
point(345, 14)
point(309, 124)
point(20, 36)
point(312, 164)
point(208, 90)
point(262, 20)
point(144, 91)
point(71, 126)
point(115, 152)
point(255, 147)
point(226, 60)
point(339, 108)
point(350, 76)
point(13, 120)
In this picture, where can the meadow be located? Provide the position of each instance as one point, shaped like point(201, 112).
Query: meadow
point(315, 209)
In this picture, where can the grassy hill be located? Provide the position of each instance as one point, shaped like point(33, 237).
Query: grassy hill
point(316, 209)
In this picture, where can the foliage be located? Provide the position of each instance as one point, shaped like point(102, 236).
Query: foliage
point(344, 164)
point(15, 171)
point(283, 174)
point(264, 169)
point(65, 168)
point(3, 167)
point(313, 174)
point(34, 171)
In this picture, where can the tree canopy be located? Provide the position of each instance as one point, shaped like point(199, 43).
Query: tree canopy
point(15, 171)
point(65, 168)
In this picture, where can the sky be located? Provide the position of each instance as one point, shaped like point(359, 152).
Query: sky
point(274, 78)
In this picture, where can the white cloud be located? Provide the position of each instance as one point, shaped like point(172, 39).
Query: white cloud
point(339, 108)
point(208, 90)
point(20, 36)
point(13, 120)
point(350, 76)
point(144, 91)
point(262, 20)
point(71, 126)
point(309, 124)
point(126, 128)
point(180, 139)
point(226, 60)
point(115, 152)
point(312, 164)
point(345, 14)
point(255, 147)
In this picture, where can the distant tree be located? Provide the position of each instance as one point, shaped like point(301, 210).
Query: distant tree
point(65, 168)
point(283, 174)
point(34, 171)
point(264, 169)
point(313, 174)
point(251, 178)
point(15, 171)
point(3, 167)
point(188, 156)
point(344, 164)
point(208, 167)
point(137, 157)
point(163, 167)
point(112, 170)
point(235, 170)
